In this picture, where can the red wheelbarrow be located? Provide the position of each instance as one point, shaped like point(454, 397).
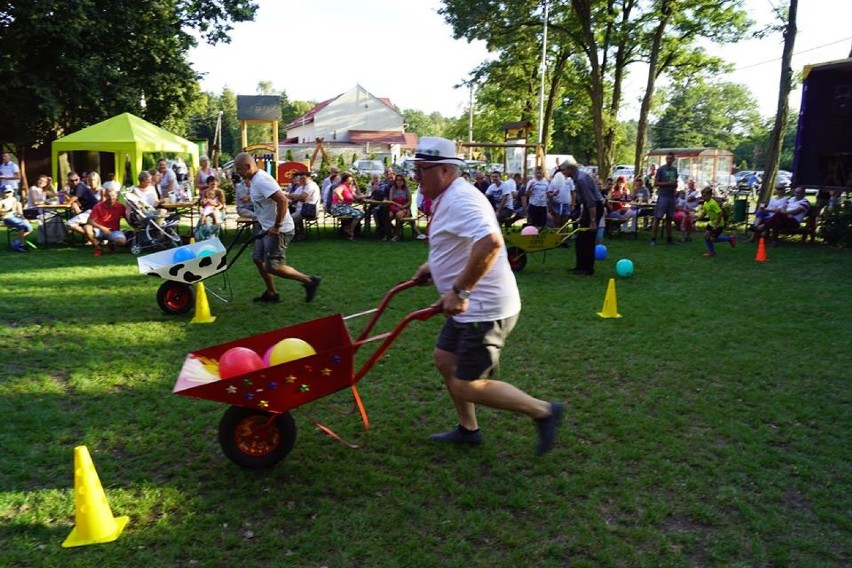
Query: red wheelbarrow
point(257, 431)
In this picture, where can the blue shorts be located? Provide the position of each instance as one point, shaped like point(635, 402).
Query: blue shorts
point(18, 223)
point(665, 207)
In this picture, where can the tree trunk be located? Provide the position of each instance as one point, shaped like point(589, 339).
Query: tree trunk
point(773, 153)
point(653, 59)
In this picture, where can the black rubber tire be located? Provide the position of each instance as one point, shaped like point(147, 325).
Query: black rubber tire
point(254, 439)
point(174, 298)
point(517, 259)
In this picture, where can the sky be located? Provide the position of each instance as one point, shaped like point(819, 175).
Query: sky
point(403, 50)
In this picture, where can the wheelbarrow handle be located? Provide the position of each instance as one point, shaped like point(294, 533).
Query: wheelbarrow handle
point(245, 245)
point(388, 338)
point(405, 285)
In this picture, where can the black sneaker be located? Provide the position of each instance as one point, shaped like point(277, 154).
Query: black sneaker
point(547, 428)
point(457, 436)
point(267, 297)
point(311, 288)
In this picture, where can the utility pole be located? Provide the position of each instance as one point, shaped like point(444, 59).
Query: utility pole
point(539, 154)
point(470, 124)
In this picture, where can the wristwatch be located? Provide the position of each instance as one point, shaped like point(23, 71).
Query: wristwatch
point(461, 293)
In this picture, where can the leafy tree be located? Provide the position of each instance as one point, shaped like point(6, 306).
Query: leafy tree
point(671, 46)
point(704, 114)
point(512, 30)
point(422, 124)
point(67, 65)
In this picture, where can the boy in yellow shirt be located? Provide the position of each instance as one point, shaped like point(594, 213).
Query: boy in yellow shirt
point(716, 223)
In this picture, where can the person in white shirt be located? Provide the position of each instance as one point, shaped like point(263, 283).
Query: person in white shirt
point(306, 197)
point(269, 254)
point(777, 204)
point(204, 172)
point(469, 266)
point(146, 191)
point(536, 199)
point(11, 212)
point(10, 174)
point(560, 198)
point(788, 220)
point(501, 194)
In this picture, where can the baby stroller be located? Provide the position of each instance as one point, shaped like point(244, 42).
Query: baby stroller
point(150, 230)
point(207, 227)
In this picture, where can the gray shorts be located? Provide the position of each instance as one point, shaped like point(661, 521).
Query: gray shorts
point(665, 207)
point(476, 345)
point(272, 250)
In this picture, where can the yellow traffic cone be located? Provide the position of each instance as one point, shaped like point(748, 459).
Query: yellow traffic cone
point(93, 520)
point(610, 307)
point(202, 307)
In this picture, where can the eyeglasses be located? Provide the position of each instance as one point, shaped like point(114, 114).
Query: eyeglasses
point(418, 171)
point(73, 180)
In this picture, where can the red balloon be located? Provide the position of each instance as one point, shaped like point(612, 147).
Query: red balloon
point(238, 361)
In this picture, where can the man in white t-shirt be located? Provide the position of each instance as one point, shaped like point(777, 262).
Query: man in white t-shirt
point(270, 208)
point(168, 181)
point(560, 195)
point(502, 196)
point(307, 193)
point(10, 174)
point(479, 297)
point(536, 199)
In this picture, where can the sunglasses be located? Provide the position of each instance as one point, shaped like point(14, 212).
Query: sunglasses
point(418, 171)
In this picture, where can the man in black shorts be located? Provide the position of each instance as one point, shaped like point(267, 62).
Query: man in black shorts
point(479, 297)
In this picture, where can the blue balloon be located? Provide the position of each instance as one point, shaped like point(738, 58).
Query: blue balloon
point(624, 268)
point(182, 254)
point(600, 252)
point(207, 250)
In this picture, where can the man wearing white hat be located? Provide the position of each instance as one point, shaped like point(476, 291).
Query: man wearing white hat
point(479, 297)
point(11, 212)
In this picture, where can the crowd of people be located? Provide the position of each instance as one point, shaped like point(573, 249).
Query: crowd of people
point(567, 194)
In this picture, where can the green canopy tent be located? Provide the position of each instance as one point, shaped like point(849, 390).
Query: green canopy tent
point(124, 135)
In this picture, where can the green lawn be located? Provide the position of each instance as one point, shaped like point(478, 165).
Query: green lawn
point(707, 427)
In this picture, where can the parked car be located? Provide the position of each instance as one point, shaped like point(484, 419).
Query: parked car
point(369, 167)
point(626, 170)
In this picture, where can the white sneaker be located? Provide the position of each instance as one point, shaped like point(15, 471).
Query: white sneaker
point(421, 237)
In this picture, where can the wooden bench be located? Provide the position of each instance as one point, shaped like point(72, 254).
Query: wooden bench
point(613, 225)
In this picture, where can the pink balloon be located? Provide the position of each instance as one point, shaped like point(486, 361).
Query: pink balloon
point(529, 230)
point(238, 361)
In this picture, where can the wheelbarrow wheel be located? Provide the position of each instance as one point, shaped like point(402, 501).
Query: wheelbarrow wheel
point(254, 439)
point(517, 259)
point(174, 298)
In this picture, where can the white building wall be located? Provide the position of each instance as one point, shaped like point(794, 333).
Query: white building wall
point(355, 109)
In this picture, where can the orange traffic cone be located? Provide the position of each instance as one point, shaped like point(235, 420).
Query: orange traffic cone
point(93, 518)
point(761, 251)
point(202, 306)
point(610, 307)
